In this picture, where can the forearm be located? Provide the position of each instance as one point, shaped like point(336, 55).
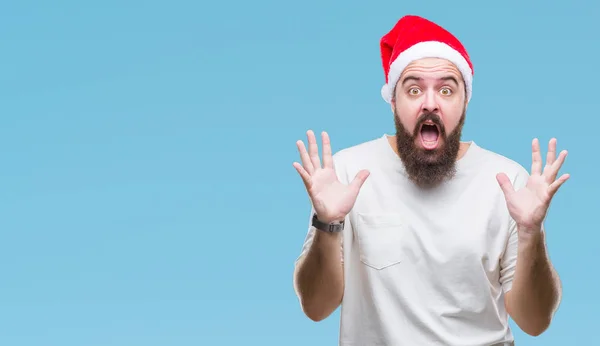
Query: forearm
point(320, 276)
point(536, 290)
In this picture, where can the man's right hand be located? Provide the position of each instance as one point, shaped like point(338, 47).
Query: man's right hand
point(331, 199)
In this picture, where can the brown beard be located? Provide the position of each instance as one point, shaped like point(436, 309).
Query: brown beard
point(428, 168)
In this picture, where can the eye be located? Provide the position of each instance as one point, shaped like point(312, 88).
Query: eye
point(413, 91)
point(446, 91)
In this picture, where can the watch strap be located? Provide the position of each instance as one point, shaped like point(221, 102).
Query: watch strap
point(333, 227)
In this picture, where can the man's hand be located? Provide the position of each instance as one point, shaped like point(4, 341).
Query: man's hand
point(528, 206)
point(331, 199)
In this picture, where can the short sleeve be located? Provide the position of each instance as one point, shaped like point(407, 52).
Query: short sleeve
point(508, 262)
point(509, 259)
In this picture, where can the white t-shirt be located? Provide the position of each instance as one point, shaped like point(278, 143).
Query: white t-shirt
point(426, 268)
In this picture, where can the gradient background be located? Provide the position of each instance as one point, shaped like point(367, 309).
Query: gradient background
point(147, 194)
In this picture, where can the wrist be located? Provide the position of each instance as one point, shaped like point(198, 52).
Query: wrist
point(329, 225)
point(531, 240)
point(328, 220)
point(529, 231)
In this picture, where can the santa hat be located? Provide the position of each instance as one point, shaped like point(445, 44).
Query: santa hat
point(415, 38)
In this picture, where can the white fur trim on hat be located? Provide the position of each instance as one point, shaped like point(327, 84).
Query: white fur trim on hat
point(429, 49)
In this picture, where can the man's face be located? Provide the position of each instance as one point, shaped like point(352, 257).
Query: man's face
point(429, 112)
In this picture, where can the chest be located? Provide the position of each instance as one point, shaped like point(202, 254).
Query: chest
point(458, 229)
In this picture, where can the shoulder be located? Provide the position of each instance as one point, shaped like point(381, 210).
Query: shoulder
point(366, 155)
point(362, 152)
point(497, 163)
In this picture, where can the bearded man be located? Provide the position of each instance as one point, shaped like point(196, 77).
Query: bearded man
point(422, 238)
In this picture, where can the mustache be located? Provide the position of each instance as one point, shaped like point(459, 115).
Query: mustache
point(433, 118)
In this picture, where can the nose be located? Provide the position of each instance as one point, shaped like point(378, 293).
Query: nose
point(430, 103)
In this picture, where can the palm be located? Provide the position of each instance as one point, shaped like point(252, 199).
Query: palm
point(529, 205)
point(331, 199)
point(329, 196)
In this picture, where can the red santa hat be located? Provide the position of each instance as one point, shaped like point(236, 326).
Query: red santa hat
point(413, 38)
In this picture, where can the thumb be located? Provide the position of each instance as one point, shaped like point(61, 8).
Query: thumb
point(505, 184)
point(359, 180)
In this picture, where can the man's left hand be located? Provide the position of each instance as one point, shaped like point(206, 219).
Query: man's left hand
point(528, 206)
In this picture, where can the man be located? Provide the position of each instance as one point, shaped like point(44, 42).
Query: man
point(422, 238)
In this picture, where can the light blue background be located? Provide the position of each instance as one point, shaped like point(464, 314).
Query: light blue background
point(147, 189)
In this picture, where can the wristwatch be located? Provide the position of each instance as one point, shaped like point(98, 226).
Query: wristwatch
point(327, 227)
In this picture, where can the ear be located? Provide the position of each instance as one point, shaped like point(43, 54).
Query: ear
point(393, 101)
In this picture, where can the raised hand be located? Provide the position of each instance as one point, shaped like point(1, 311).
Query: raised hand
point(529, 205)
point(331, 199)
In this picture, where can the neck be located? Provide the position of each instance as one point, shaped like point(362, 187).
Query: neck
point(464, 147)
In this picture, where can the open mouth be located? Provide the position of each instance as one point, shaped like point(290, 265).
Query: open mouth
point(430, 134)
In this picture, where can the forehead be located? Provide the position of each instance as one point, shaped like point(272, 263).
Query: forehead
point(431, 68)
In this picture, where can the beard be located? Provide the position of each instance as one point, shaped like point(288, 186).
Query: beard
point(429, 168)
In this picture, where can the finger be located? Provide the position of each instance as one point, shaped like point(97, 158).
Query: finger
point(555, 168)
point(327, 158)
point(358, 181)
point(536, 158)
point(306, 163)
point(505, 184)
point(553, 188)
point(303, 174)
point(313, 150)
point(551, 156)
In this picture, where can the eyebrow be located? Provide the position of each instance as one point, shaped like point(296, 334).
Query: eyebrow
point(414, 78)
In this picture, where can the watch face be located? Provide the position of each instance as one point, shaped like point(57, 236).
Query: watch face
point(335, 228)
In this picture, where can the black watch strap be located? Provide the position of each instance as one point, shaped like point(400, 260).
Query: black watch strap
point(327, 227)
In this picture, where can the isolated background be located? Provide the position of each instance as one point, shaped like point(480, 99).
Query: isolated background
point(147, 194)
